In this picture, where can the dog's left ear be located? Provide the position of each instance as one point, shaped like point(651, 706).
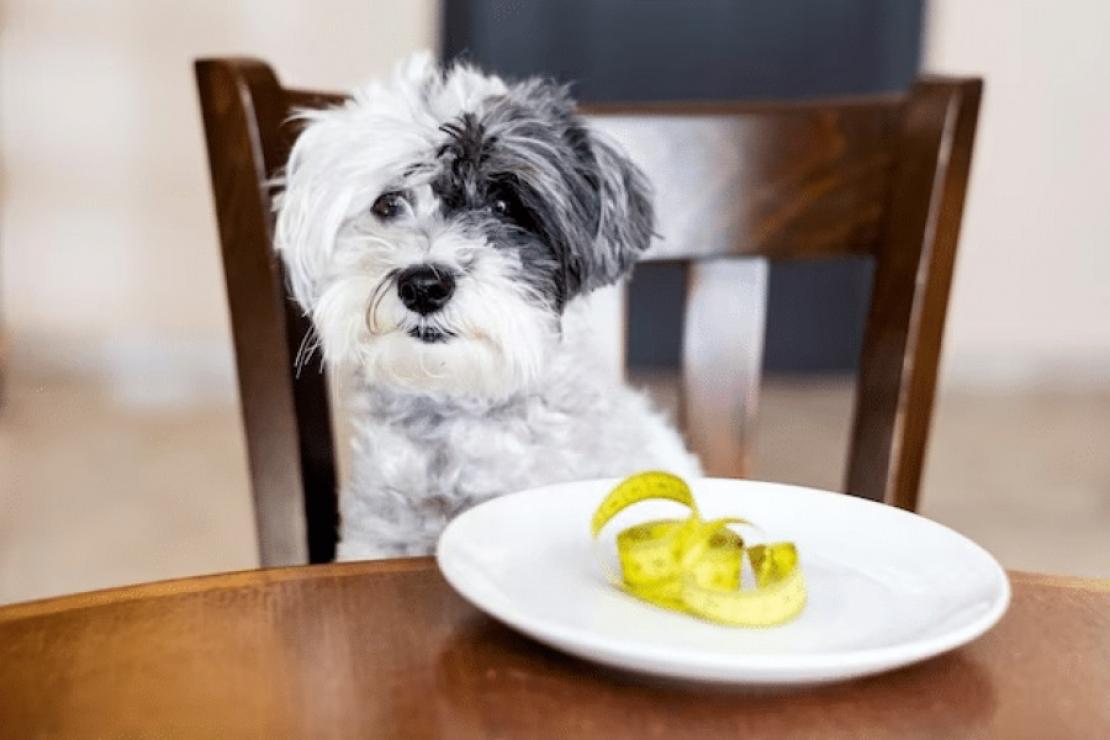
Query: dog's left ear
point(625, 218)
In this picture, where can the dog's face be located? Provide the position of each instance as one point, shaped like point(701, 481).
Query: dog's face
point(436, 227)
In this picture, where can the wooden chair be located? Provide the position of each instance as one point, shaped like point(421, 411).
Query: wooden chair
point(880, 177)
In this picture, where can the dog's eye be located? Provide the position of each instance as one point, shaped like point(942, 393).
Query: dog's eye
point(506, 205)
point(389, 205)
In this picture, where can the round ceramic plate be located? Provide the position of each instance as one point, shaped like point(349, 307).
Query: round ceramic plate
point(886, 587)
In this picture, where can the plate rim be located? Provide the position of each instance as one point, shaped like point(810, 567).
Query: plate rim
point(727, 666)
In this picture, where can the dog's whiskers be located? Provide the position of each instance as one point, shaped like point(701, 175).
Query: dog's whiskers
point(377, 240)
point(310, 342)
point(376, 299)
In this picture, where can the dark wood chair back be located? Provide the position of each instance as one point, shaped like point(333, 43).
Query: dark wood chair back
point(879, 177)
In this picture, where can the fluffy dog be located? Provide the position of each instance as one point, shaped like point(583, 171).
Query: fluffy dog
point(441, 230)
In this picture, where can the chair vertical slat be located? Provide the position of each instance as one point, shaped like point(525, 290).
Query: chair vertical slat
point(910, 294)
point(286, 418)
point(722, 355)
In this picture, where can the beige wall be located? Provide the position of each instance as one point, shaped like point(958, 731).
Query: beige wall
point(110, 258)
point(109, 253)
point(1031, 300)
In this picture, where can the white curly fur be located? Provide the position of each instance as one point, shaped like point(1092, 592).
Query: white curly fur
point(514, 399)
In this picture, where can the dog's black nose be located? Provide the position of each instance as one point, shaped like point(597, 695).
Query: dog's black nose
point(425, 288)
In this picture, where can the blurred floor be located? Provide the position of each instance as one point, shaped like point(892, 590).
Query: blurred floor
point(96, 493)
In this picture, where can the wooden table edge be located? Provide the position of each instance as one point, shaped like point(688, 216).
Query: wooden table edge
point(262, 576)
point(209, 582)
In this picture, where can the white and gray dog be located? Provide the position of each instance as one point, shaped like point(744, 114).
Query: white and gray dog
point(440, 230)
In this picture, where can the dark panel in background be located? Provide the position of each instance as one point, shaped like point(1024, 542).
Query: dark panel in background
point(701, 49)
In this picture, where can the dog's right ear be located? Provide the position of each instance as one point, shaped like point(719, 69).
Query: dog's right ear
point(311, 201)
point(305, 231)
point(288, 237)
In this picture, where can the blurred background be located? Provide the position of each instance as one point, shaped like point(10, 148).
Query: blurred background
point(121, 450)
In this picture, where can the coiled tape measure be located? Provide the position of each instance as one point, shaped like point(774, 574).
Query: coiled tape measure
point(694, 565)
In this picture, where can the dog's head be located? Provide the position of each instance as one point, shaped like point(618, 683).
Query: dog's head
point(435, 227)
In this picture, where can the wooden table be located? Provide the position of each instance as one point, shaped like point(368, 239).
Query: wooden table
point(387, 650)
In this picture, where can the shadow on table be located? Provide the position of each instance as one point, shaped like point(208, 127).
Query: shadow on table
point(497, 681)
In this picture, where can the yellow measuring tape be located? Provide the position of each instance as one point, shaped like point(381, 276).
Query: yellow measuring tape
point(694, 565)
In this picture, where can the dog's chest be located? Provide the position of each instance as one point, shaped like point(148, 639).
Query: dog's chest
point(467, 455)
point(475, 456)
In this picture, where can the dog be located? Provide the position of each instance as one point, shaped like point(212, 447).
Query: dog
point(443, 230)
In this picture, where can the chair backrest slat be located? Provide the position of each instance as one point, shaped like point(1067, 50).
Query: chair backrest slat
point(285, 413)
point(909, 300)
point(781, 182)
point(881, 176)
point(722, 356)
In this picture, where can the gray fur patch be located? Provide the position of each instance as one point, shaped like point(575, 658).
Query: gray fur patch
point(526, 171)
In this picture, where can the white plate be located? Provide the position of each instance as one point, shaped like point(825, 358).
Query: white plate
point(886, 587)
